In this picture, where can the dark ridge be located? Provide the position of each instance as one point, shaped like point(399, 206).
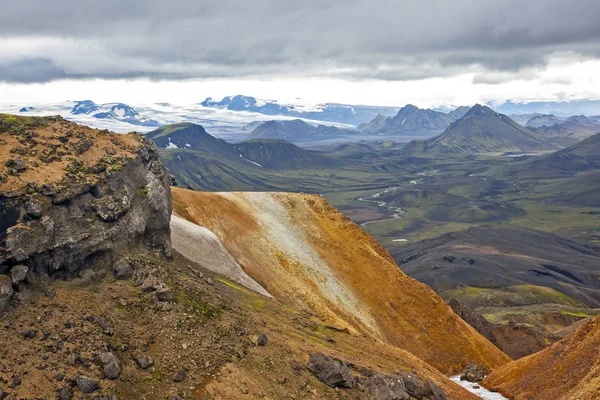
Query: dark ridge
point(562, 272)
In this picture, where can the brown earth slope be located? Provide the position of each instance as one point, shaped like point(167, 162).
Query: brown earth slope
point(207, 330)
point(568, 370)
point(313, 258)
point(52, 147)
point(94, 304)
point(516, 340)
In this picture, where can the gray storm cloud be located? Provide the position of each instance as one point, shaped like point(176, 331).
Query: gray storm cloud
point(351, 39)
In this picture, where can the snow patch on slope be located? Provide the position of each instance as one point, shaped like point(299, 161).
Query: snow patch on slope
point(171, 145)
point(202, 246)
point(253, 162)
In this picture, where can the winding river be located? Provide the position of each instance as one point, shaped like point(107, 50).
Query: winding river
point(373, 199)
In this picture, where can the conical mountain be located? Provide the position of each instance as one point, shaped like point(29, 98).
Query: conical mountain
point(412, 119)
point(482, 130)
point(186, 136)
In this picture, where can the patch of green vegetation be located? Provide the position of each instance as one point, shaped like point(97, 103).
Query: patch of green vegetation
point(255, 304)
point(556, 218)
point(203, 310)
point(142, 192)
point(547, 317)
point(519, 295)
point(541, 295)
point(115, 167)
point(236, 287)
point(577, 314)
point(19, 124)
point(460, 190)
point(502, 317)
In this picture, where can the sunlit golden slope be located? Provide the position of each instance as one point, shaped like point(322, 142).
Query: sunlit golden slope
point(307, 254)
point(568, 370)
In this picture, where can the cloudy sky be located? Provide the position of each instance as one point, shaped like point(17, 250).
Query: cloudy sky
point(380, 52)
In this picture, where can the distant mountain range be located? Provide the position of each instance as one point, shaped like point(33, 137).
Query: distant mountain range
point(297, 131)
point(119, 116)
point(243, 114)
point(540, 120)
point(202, 161)
point(558, 108)
point(116, 111)
point(482, 130)
point(409, 120)
point(413, 120)
point(569, 131)
point(332, 112)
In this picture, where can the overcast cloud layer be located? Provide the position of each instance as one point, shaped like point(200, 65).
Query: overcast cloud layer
point(43, 40)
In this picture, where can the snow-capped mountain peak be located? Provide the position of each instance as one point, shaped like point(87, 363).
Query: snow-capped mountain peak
point(116, 111)
point(331, 112)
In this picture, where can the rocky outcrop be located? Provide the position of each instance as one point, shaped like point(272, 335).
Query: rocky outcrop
point(6, 292)
point(472, 373)
point(401, 386)
point(398, 386)
point(99, 207)
point(202, 246)
point(333, 373)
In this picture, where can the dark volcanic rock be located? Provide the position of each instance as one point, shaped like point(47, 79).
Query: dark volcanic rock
point(386, 387)
point(472, 373)
point(144, 362)
point(262, 340)
point(6, 292)
point(34, 209)
point(72, 359)
point(164, 294)
point(122, 270)
point(401, 386)
point(65, 393)
point(109, 208)
point(106, 326)
point(331, 372)
point(87, 224)
point(18, 164)
point(16, 381)
point(29, 334)
point(86, 385)
point(111, 365)
point(179, 376)
point(48, 189)
point(18, 273)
